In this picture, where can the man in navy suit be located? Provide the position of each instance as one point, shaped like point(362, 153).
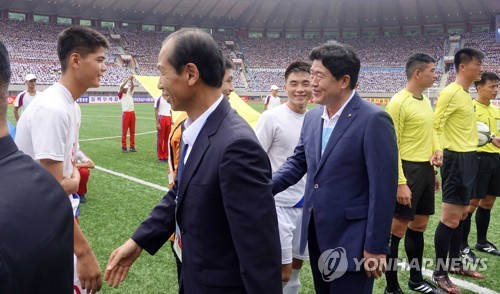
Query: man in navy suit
point(221, 205)
point(348, 149)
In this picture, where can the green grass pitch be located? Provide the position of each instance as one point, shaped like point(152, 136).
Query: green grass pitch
point(116, 205)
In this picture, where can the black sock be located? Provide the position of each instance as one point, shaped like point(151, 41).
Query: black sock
point(466, 231)
point(414, 246)
point(456, 239)
point(391, 275)
point(482, 223)
point(442, 240)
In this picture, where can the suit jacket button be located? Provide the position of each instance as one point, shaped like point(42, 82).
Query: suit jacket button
point(316, 186)
point(310, 209)
point(182, 232)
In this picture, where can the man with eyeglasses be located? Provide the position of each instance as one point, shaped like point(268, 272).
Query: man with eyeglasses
point(24, 98)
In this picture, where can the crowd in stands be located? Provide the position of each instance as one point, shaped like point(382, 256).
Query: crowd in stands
point(486, 43)
point(382, 58)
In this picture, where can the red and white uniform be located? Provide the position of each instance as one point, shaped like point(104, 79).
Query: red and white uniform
point(272, 101)
point(165, 121)
point(84, 172)
point(24, 98)
point(49, 129)
point(128, 117)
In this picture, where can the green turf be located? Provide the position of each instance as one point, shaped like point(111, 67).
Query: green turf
point(116, 206)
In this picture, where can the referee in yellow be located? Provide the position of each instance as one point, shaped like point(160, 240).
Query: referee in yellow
point(455, 124)
point(488, 176)
point(419, 150)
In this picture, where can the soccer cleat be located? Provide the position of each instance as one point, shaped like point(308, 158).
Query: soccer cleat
point(132, 149)
point(423, 287)
point(488, 248)
point(83, 199)
point(444, 283)
point(124, 149)
point(469, 256)
point(397, 291)
point(466, 272)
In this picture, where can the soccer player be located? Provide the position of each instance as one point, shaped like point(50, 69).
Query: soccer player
point(227, 81)
point(48, 130)
point(488, 176)
point(36, 229)
point(419, 150)
point(163, 118)
point(24, 98)
point(83, 163)
point(272, 100)
point(128, 114)
point(278, 131)
point(455, 125)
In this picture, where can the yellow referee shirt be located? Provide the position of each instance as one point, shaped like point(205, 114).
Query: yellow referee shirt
point(455, 120)
point(490, 115)
point(413, 122)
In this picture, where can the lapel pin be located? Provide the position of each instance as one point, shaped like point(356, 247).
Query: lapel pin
point(349, 115)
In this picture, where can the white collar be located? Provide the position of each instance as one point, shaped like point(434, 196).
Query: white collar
point(339, 112)
point(193, 128)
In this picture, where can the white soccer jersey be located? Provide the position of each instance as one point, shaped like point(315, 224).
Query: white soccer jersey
point(127, 101)
point(163, 106)
point(49, 128)
point(24, 98)
point(273, 102)
point(278, 131)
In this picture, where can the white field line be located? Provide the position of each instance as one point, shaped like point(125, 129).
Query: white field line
point(133, 179)
point(461, 283)
point(115, 116)
point(114, 137)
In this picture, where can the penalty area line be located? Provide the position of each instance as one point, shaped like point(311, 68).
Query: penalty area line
point(133, 179)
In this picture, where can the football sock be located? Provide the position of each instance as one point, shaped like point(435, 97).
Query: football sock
point(414, 246)
point(391, 275)
point(482, 223)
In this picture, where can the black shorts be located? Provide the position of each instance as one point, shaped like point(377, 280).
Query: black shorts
point(420, 179)
point(459, 177)
point(488, 175)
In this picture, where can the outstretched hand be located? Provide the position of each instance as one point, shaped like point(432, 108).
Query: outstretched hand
point(120, 262)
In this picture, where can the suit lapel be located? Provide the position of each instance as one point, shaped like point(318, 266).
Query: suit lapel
point(348, 115)
point(200, 146)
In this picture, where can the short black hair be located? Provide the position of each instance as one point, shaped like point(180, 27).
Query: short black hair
point(487, 76)
point(417, 61)
point(228, 64)
point(297, 66)
point(466, 55)
point(339, 59)
point(4, 82)
point(82, 40)
point(195, 46)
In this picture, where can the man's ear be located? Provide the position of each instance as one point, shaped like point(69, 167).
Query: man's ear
point(74, 60)
point(346, 80)
point(192, 73)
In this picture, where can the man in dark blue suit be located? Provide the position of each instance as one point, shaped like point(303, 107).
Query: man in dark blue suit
point(36, 220)
point(348, 149)
point(221, 205)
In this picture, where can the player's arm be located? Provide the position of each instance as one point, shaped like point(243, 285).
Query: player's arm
point(16, 107)
point(131, 78)
point(436, 158)
point(87, 269)
point(87, 164)
point(398, 115)
point(157, 102)
point(265, 131)
point(70, 185)
point(444, 108)
point(123, 85)
point(266, 102)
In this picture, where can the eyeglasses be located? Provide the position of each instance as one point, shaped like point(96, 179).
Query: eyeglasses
point(319, 76)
